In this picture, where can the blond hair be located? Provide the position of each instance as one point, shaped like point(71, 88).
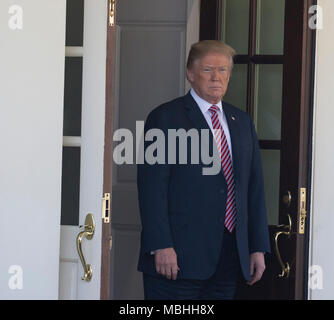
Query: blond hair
point(202, 48)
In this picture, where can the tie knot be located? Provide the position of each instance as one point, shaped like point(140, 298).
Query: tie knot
point(214, 109)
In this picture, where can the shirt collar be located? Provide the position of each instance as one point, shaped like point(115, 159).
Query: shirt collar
point(203, 104)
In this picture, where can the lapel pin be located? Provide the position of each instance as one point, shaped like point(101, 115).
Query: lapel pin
point(233, 118)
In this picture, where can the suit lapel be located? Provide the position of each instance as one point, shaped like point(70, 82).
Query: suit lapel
point(195, 114)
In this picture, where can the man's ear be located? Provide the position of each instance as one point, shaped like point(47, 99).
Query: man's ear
point(190, 75)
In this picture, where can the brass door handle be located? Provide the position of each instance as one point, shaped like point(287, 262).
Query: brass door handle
point(88, 232)
point(285, 267)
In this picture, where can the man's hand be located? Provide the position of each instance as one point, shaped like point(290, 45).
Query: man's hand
point(166, 263)
point(257, 267)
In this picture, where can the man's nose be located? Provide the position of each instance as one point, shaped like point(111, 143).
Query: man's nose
point(214, 75)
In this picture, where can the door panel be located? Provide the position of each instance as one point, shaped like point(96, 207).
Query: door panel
point(156, 31)
point(31, 123)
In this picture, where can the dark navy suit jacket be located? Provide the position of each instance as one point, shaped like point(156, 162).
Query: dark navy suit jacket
point(184, 209)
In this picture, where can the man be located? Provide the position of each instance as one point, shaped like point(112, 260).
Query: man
point(200, 231)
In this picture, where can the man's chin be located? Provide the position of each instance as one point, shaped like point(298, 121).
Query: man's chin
point(217, 94)
point(216, 98)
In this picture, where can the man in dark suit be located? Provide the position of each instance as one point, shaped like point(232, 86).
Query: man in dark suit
point(200, 231)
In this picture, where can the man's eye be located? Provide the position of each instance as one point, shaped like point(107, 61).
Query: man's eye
point(206, 69)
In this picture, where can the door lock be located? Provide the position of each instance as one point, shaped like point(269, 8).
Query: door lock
point(302, 211)
point(287, 199)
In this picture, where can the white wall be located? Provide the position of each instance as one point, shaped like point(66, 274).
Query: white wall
point(31, 132)
point(322, 213)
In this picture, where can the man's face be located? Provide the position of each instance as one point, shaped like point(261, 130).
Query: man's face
point(209, 76)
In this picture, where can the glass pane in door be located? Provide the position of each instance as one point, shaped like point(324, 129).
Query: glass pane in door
point(74, 22)
point(70, 186)
point(270, 27)
point(268, 101)
point(235, 24)
point(271, 172)
point(72, 96)
point(236, 93)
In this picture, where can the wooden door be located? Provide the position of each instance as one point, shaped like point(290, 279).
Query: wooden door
point(150, 41)
point(272, 81)
point(107, 240)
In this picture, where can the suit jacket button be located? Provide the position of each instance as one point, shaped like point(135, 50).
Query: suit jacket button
point(221, 220)
point(221, 191)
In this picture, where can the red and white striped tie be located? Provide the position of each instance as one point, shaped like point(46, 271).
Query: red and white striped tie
point(226, 162)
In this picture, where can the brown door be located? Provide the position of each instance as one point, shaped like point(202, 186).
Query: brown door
point(150, 42)
point(108, 151)
point(272, 81)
